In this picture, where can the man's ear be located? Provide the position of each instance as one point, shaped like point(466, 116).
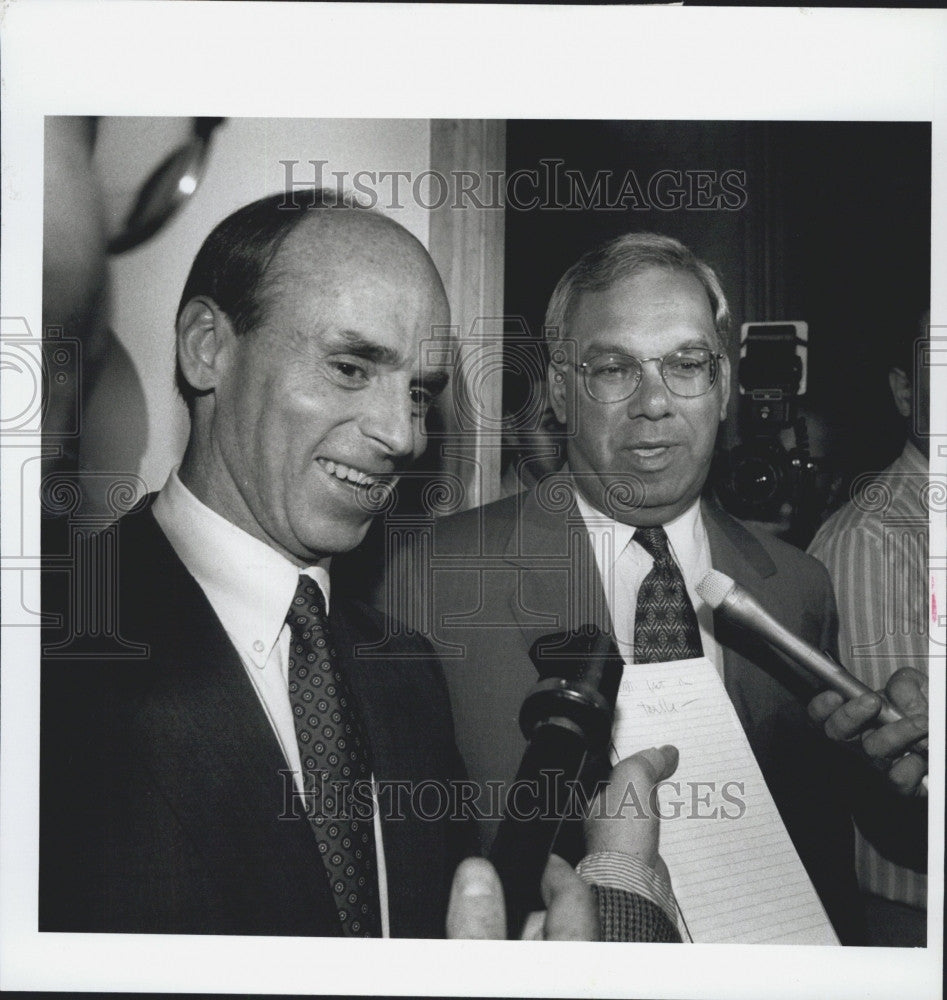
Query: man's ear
point(557, 392)
point(901, 391)
point(723, 377)
point(204, 335)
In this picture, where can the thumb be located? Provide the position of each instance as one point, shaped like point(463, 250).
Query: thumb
point(663, 761)
point(622, 817)
point(571, 907)
point(476, 909)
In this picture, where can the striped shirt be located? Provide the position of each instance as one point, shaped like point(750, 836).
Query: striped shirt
point(636, 902)
point(876, 551)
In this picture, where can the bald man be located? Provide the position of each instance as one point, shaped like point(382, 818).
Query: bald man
point(182, 790)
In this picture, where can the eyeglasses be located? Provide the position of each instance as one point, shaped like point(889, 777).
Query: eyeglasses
point(610, 378)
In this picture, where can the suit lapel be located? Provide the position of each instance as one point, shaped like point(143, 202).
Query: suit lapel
point(733, 549)
point(406, 717)
point(755, 677)
point(212, 751)
point(558, 584)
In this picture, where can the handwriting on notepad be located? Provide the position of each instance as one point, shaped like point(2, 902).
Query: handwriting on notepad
point(627, 685)
point(673, 694)
point(735, 872)
point(662, 706)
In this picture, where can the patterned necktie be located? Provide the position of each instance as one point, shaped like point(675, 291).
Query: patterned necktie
point(333, 754)
point(665, 621)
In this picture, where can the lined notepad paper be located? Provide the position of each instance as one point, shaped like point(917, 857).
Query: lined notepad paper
point(735, 872)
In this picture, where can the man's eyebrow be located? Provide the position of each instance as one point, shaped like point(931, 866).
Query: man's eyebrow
point(602, 347)
point(353, 342)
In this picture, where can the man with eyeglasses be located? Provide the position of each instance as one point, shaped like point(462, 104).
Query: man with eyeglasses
point(640, 377)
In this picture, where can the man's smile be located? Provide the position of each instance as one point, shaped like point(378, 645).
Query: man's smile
point(354, 477)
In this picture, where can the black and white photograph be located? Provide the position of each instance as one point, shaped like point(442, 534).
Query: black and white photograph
point(475, 503)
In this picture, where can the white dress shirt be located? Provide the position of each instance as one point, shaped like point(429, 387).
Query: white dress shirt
point(623, 564)
point(250, 587)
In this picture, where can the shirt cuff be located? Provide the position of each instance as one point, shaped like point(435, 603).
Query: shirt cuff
point(616, 870)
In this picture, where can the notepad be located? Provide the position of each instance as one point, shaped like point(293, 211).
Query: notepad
point(735, 872)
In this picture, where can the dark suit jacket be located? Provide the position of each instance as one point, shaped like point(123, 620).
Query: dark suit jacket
point(162, 803)
point(486, 583)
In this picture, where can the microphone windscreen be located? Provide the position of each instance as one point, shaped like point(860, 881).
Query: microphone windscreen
point(715, 588)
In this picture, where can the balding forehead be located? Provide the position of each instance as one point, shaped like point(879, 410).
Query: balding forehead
point(345, 232)
point(338, 242)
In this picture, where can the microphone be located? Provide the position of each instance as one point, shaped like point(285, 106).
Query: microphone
point(567, 720)
point(731, 600)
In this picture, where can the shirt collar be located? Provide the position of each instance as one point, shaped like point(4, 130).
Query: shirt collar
point(685, 532)
point(249, 584)
point(597, 524)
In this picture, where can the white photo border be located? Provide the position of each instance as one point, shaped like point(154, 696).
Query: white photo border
point(438, 61)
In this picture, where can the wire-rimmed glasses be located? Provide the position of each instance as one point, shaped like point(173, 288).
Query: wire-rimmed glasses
point(688, 372)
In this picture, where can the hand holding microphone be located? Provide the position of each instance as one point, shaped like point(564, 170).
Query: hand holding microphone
point(850, 708)
point(901, 744)
point(621, 821)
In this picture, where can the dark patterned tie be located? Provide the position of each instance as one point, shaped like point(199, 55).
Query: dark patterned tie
point(333, 754)
point(665, 621)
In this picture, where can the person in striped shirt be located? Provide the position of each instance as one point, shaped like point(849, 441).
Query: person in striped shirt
point(876, 551)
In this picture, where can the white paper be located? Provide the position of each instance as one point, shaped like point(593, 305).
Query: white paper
point(735, 872)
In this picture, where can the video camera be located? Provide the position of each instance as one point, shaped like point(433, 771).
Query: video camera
point(760, 476)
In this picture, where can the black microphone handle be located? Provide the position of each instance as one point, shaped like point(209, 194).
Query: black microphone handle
point(539, 803)
point(566, 719)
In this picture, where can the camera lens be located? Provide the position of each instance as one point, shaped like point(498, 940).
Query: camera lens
point(755, 479)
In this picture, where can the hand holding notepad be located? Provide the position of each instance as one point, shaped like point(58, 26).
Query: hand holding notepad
point(735, 872)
